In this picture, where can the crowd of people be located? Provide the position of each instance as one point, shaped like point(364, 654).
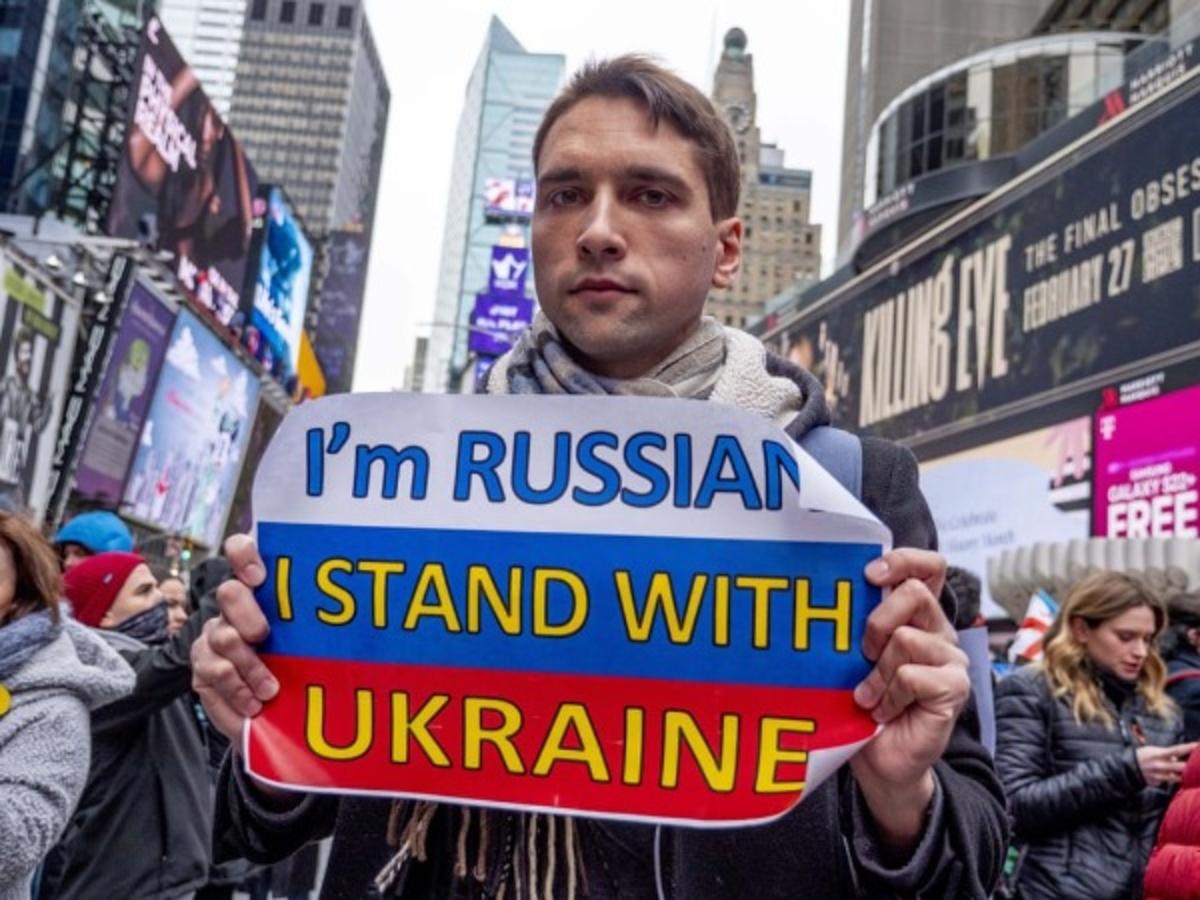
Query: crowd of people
point(117, 782)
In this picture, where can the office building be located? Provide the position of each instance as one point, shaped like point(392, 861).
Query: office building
point(780, 248)
point(208, 34)
point(508, 91)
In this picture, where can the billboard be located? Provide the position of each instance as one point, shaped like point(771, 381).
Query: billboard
point(241, 513)
point(124, 397)
point(508, 198)
point(1024, 489)
point(496, 321)
point(280, 294)
point(1148, 468)
point(1080, 270)
point(37, 335)
point(183, 181)
point(192, 445)
point(341, 307)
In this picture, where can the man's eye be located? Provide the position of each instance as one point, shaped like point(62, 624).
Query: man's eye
point(564, 197)
point(655, 198)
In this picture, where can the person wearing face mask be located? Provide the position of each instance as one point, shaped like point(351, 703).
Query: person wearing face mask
point(1087, 745)
point(142, 828)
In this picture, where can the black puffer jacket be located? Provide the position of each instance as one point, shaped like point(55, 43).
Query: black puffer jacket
point(1076, 793)
point(1185, 690)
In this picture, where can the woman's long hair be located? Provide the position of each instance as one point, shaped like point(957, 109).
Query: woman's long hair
point(1096, 599)
point(39, 582)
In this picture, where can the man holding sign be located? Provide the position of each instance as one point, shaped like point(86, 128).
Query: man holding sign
point(635, 221)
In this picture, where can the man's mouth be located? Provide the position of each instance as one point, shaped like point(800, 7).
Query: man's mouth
point(599, 286)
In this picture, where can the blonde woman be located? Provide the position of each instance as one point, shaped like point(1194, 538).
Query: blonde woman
point(1087, 745)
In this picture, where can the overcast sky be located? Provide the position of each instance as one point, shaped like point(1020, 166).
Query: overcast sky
point(428, 49)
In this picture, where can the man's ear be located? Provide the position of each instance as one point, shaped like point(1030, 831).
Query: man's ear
point(729, 252)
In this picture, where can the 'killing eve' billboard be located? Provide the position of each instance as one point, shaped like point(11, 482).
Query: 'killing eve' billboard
point(1093, 266)
point(184, 177)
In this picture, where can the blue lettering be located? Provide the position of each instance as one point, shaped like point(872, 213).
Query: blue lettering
point(604, 472)
point(315, 462)
point(727, 449)
point(778, 458)
point(683, 471)
point(392, 459)
point(467, 465)
point(562, 469)
point(660, 483)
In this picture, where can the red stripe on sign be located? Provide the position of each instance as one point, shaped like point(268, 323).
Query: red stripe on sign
point(609, 746)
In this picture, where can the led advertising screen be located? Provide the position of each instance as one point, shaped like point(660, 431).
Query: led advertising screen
point(508, 198)
point(124, 396)
point(341, 307)
point(276, 316)
point(183, 182)
point(37, 333)
point(194, 440)
point(1148, 468)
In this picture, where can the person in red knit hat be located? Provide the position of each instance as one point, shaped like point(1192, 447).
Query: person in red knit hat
point(1173, 872)
point(142, 827)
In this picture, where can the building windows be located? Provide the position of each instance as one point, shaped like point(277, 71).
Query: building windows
point(345, 16)
point(287, 12)
point(316, 14)
point(258, 12)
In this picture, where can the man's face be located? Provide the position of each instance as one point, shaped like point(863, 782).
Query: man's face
point(624, 244)
point(73, 555)
point(24, 359)
point(175, 594)
point(139, 593)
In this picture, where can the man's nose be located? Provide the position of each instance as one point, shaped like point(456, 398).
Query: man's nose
point(601, 237)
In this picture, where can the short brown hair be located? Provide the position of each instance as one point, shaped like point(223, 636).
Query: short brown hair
point(39, 581)
point(666, 98)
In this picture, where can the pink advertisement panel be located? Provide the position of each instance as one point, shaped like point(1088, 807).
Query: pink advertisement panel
point(1147, 473)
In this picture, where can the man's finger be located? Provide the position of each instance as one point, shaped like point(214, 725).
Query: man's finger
point(911, 603)
point(240, 609)
point(903, 563)
point(243, 556)
point(934, 687)
point(224, 719)
point(227, 644)
point(907, 645)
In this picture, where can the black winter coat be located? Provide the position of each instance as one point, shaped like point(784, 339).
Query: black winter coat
point(142, 830)
point(1186, 691)
point(1076, 793)
point(822, 849)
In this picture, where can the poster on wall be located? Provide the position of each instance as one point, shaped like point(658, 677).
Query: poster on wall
point(280, 294)
point(194, 440)
point(338, 321)
point(1029, 488)
point(37, 335)
point(1148, 468)
point(124, 397)
point(183, 181)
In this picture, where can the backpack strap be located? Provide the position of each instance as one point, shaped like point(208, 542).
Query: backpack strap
point(839, 453)
point(1182, 675)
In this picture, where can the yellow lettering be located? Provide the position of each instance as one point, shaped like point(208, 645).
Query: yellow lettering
point(500, 737)
point(481, 584)
point(417, 727)
point(838, 614)
point(588, 752)
point(432, 577)
point(762, 587)
point(283, 587)
point(721, 610)
point(542, 579)
point(335, 592)
point(380, 571)
point(661, 594)
point(314, 725)
point(719, 774)
point(771, 755)
point(635, 739)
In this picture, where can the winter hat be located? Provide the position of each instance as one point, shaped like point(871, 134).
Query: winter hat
point(98, 531)
point(93, 584)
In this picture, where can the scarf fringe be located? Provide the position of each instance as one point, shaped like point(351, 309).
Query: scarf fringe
point(527, 863)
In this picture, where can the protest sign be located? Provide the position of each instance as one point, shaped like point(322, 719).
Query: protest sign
point(630, 607)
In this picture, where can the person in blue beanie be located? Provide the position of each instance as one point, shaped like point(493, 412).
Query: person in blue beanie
point(90, 533)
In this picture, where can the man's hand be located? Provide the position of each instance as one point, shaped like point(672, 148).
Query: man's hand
point(227, 674)
point(917, 689)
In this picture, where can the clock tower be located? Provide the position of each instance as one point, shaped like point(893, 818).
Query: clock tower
point(780, 249)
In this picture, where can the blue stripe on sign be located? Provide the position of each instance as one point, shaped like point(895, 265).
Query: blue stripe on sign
point(432, 597)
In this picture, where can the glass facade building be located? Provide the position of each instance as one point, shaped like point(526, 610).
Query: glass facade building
point(991, 104)
point(507, 94)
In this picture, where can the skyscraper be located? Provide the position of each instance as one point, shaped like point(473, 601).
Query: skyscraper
point(310, 105)
point(779, 246)
point(507, 94)
point(892, 45)
point(208, 34)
